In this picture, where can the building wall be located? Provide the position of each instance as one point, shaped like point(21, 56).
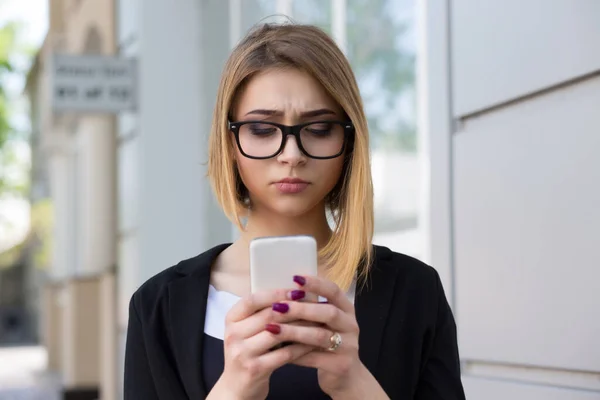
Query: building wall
point(514, 157)
point(77, 150)
point(96, 20)
point(78, 147)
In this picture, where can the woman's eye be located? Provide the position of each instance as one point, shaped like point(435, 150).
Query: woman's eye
point(258, 129)
point(319, 129)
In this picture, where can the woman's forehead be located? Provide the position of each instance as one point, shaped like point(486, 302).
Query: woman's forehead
point(285, 92)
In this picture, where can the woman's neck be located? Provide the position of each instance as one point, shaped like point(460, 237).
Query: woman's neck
point(264, 223)
point(235, 259)
point(231, 270)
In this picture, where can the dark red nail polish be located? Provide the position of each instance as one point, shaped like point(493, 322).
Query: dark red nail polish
point(273, 328)
point(300, 280)
point(297, 294)
point(281, 307)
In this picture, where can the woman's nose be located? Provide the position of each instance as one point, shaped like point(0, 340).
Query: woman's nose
point(291, 153)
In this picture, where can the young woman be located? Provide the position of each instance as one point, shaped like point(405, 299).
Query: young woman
point(288, 147)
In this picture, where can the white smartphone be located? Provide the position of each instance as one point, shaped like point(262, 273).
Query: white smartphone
point(275, 260)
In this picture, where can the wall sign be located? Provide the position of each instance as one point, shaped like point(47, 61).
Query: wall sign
point(90, 83)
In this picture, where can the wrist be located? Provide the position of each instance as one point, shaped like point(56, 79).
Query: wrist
point(222, 391)
point(225, 390)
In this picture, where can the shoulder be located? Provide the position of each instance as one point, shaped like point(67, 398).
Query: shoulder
point(412, 288)
point(152, 291)
point(403, 266)
point(409, 280)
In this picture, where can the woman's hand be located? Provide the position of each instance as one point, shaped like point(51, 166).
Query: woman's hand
point(340, 371)
point(249, 360)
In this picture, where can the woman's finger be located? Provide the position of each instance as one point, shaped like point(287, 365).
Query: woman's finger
point(254, 302)
point(327, 314)
point(285, 355)
point(261, 343)
point(316, 336)
point(268, 339)
point(248, 327)
point(255, 324)
point(325, 288)
point(326, 361)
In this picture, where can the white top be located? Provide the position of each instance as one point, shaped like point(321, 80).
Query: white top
point(220, 302)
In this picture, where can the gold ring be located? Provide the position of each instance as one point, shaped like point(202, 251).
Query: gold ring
point(336, 341)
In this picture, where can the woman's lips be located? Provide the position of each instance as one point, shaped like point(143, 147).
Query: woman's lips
point(291, 187)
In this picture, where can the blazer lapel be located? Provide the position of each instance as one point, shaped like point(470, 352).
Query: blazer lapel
point(372, 306)
point(187, 311)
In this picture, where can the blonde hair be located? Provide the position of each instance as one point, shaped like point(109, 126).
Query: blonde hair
point(348, 253)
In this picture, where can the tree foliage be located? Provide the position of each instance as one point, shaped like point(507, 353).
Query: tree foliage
point(10, 49)
point(7, 45)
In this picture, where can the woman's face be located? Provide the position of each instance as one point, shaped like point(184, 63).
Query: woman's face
point(288, 97)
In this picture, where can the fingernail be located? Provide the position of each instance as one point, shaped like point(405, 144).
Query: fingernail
point(297, 294)
point(273, 328)
point(300, 280)
point(281, 307)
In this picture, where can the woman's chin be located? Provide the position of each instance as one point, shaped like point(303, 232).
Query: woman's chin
point(290, 212)
point(290, 208)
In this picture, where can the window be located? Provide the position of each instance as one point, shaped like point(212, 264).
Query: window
point(380, 44)
point(316, 12)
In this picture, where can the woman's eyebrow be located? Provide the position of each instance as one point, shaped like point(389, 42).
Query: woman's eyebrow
point(305, 114)
point(265, 112)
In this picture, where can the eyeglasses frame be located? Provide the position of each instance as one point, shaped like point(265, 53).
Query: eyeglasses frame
point(293, 130)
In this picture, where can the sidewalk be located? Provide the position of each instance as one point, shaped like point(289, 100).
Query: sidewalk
point(23, 377)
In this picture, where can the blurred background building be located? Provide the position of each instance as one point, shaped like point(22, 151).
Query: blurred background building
point(485, 129)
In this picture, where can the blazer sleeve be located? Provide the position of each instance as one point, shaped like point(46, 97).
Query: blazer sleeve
point(138, 382)
point(440, 378)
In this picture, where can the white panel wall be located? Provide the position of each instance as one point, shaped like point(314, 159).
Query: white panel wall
point(502, 50)
point(510, 105)
point(527, 212)
point(490, 389)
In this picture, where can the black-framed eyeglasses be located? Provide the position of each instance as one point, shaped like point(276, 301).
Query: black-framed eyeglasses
point(319, 139)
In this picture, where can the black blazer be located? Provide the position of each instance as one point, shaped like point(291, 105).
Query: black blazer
point(407, 331)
